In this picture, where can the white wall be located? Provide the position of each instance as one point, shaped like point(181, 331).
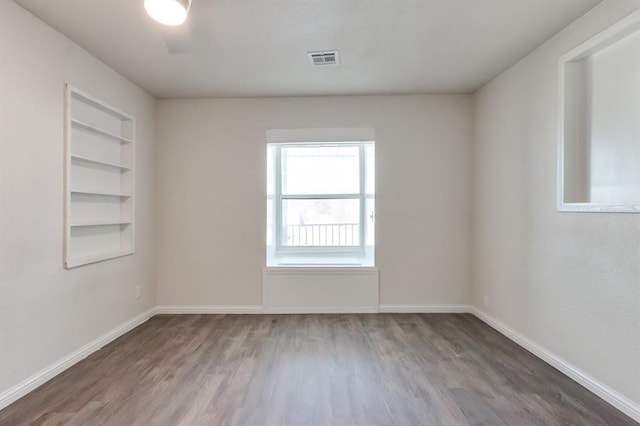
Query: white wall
point(568, 281)
point(212, 202)
point(47, 312)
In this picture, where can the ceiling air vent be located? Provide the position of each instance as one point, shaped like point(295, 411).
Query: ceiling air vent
point(321, 59)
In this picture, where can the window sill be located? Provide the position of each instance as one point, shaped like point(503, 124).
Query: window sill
point(320, 269)
point(343, 261)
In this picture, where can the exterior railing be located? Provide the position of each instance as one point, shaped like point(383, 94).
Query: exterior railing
point(323, 235)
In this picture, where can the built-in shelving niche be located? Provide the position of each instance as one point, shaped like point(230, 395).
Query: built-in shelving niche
point(99, 180)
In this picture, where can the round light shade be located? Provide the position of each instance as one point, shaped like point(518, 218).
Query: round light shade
point(168, 12)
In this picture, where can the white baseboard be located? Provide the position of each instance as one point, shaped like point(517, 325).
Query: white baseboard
point(341, 310)
point(21, 389)
point(222, 309)
point(603, 391)
point(209, 309)
point(256, 309)
point(425, 309)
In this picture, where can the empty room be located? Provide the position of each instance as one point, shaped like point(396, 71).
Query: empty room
point(320, 212)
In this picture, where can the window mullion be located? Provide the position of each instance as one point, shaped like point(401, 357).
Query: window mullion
point(320, 196)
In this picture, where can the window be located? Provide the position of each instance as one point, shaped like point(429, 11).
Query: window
point(320, 203)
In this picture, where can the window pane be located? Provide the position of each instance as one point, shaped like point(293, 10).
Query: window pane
point(320, 170)
point(321, 223)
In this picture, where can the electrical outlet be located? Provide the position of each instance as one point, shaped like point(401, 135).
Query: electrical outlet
point(486, 301)
point(138, 291)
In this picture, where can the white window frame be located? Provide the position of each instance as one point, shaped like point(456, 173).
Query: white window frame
point(279, 198)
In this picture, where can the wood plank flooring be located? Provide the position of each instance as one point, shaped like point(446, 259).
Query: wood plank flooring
point(375, 369)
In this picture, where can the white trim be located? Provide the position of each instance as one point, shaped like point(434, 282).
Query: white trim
point(256, 309)
point(351, 134)
point(597, 208)
point(209, 309)
point(605, 38)
point(617, 400)
point(320, 270)
point(345, 310)
point(21, 389)
point(426, 309)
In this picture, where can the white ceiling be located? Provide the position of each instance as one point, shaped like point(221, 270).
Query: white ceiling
point(258, 47)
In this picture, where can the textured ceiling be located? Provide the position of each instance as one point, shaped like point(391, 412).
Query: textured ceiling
point(258, 47)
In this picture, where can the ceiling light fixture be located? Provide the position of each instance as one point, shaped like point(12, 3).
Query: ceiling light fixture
point(168, 12)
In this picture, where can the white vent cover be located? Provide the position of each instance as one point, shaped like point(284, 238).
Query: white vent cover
point(321, 59)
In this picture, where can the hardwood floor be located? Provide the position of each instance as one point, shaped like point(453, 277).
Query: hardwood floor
point(384, 369)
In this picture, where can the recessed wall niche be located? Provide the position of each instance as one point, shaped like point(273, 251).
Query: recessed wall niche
point(99, 180)
point(599, 141)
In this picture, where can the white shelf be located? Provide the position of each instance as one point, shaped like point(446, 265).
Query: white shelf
point(97, 103)
point(101, 193)
point(92, 163)
point(100, 223)
point(104, 163)
point(99, 131)
point(78, 261)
